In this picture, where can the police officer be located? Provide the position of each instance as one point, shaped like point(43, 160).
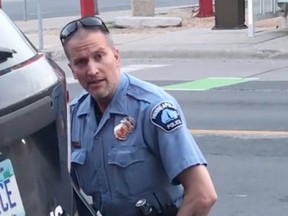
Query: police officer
point(129, 137)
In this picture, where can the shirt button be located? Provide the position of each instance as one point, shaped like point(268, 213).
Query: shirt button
point(96, 137)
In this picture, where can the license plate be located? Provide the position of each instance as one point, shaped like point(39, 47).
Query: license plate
point(10, 199)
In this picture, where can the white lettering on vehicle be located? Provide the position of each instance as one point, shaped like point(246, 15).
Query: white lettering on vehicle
point(58, 211)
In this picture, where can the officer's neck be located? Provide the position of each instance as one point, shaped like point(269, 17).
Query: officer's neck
point(102, 103)
point(97, 111)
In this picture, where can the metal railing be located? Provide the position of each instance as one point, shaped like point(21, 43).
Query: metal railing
point(264, 9)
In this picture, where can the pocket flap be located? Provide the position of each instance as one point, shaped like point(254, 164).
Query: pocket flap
point(125, 158)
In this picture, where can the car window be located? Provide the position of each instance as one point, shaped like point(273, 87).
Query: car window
point(14, 47)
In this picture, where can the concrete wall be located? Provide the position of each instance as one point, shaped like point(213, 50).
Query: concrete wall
point(142, 7)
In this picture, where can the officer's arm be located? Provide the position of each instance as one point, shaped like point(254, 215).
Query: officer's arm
point(200, 194)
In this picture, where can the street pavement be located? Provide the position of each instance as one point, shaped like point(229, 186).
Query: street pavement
point(184, 43)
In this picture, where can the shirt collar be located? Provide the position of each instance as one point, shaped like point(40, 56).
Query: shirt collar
point(118, 105)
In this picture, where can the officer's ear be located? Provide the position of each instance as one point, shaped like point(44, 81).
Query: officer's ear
point(116, 55)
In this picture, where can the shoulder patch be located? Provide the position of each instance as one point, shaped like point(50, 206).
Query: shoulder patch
point(166, 116)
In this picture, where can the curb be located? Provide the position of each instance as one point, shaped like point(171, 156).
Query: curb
point(190, 54)
point(206, 54)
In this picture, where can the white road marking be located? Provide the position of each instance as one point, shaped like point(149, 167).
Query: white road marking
point(137, 67)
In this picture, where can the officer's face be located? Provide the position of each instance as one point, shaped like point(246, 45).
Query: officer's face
point(94, 62)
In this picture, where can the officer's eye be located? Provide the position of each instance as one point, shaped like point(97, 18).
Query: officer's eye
point(80, 62)
point(98, 56)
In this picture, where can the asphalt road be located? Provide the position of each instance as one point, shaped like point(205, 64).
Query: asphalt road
point(28, 9)
point(260, 104)
point(242, 129)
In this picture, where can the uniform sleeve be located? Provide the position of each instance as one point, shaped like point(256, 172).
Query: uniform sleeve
point(170, 139)
point(78, 154)
point(74, 124)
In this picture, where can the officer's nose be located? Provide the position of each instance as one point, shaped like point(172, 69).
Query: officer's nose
point(93, 68)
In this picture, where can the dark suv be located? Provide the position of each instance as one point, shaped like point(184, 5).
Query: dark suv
point(34, 177)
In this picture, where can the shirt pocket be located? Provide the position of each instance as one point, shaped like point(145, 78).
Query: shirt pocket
point(125, 167)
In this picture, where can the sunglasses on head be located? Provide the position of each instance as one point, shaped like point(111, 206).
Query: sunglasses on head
point(92, 22)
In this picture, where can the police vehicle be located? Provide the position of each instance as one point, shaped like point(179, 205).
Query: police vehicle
point(34, 155)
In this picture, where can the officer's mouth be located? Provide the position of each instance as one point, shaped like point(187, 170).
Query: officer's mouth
point(96, 83)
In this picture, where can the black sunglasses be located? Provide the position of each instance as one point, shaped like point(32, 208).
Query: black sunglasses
point(87, 22)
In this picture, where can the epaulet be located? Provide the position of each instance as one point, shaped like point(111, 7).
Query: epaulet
point(145, 91)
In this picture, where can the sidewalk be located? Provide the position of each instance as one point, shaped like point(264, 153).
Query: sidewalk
point(164, 43)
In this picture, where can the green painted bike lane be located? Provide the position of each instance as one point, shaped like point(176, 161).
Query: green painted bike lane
point(207, 84)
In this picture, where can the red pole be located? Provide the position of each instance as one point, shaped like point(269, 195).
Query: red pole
point(87, 8)
point(205, 8)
